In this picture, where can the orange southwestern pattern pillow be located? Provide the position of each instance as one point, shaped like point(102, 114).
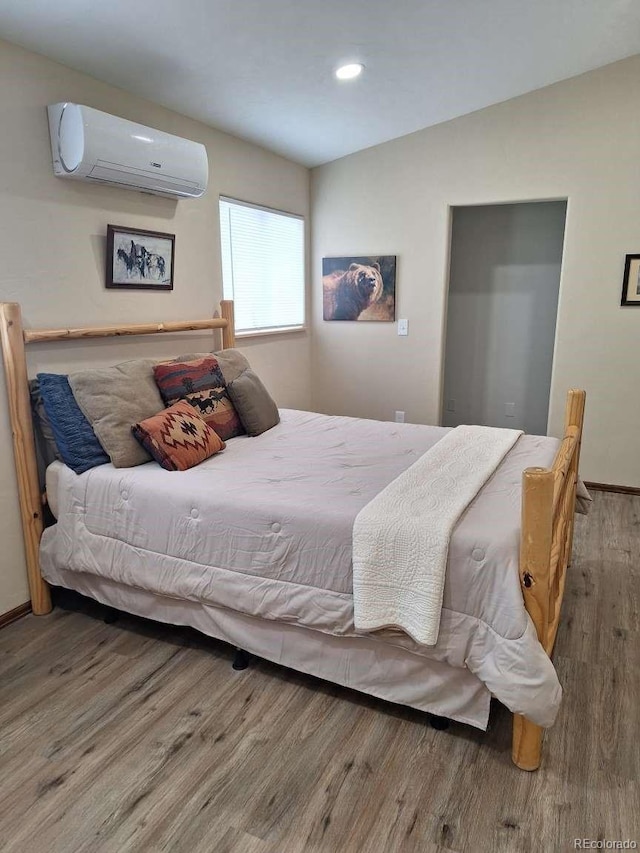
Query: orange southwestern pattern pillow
point(177, 437)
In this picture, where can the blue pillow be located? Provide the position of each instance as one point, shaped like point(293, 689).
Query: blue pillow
point(76, 440)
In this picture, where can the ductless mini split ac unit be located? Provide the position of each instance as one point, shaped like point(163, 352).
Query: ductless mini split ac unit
point(90, 145)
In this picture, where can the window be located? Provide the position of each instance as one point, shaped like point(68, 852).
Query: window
point(262, 266)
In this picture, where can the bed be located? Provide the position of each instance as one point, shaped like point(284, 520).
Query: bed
point(242, 549)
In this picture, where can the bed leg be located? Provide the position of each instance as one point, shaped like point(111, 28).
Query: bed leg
point(440, 724)
point(527, 743)
point(111, 615)
point(240, 659)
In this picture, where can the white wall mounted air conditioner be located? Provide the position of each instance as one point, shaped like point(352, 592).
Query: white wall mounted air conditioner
point(90, 145)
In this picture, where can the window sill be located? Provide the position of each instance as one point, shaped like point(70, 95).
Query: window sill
point(263, 333)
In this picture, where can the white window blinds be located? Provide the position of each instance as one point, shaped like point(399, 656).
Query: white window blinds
point(262, 266)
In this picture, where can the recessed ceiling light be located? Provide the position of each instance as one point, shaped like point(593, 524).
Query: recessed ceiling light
point(349, 72)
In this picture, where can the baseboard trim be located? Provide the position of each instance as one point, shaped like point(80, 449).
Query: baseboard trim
point(607, 487)
point(17, 613)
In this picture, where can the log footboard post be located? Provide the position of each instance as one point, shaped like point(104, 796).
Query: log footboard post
point(526, 744)
point(548, 507)
point(574, 417)
point(535, 557)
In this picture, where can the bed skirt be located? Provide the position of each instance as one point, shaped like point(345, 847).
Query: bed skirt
point(360, 663)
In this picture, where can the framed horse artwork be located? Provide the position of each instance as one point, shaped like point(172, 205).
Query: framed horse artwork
point(140, 260)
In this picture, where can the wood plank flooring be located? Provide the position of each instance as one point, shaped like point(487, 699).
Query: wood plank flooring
point(139, 737)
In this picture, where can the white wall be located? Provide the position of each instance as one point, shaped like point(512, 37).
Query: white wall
point(580, 140)
point(52, 245)
point(501, 314)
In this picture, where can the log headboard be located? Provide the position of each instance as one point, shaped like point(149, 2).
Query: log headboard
point(14, 338)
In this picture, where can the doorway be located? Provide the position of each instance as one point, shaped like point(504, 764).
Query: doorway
point(501, 318)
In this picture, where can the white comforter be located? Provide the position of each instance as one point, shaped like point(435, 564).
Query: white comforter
point(265, 528)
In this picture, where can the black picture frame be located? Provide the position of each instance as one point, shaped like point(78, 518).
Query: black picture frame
point(631, 281)
point(138, 259)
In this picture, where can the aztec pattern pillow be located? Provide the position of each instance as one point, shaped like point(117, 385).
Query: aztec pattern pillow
point(74, 436)
point(177, 437)
point(201, 384)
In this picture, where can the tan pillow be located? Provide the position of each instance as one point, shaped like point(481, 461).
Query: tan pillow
point(253, 403)
point(113, 399)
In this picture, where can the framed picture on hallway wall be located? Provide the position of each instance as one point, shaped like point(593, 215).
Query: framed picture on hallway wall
point(358, 287)
point(631, 281)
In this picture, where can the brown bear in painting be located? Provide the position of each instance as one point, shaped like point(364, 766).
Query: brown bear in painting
point(348, 294)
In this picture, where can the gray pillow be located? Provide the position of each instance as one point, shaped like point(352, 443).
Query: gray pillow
point(254, 405)
point(45, 439)
point(232, 363)
point(113, 399)
point(46, 447)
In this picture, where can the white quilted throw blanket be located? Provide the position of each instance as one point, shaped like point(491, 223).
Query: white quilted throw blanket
point(401, 537)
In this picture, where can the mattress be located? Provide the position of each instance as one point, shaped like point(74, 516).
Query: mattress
point(265, 529)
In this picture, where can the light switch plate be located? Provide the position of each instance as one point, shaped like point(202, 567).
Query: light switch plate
point(403, 327)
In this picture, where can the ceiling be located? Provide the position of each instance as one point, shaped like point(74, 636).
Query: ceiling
point(263, 69)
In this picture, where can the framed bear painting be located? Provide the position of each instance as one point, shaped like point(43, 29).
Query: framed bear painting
point(359, 288)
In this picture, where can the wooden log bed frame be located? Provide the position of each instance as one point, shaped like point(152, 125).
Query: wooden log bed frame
point(548, 495)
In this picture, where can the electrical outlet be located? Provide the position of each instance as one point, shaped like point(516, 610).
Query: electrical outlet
point(399, 417)
point(509, 410)
point(403, 327)
point(451, 405)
